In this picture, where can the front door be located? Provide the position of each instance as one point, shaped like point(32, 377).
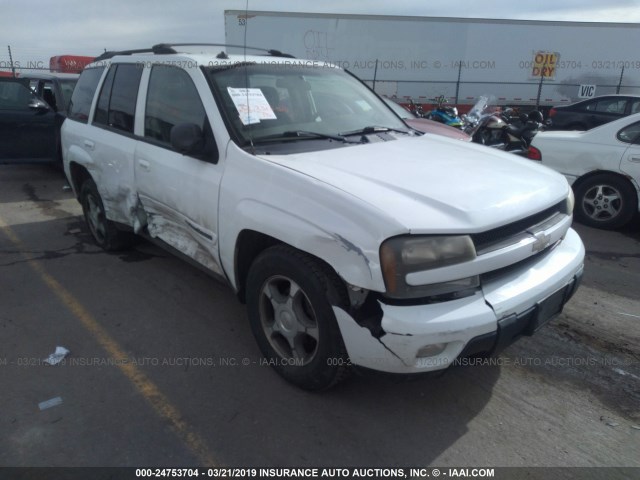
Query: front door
point(179, 193)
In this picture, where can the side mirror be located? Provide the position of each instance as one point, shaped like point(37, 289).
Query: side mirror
point(38, 105)
point(187, 138)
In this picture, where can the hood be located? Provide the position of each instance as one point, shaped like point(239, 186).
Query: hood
point(430, 126)
point(433, 184)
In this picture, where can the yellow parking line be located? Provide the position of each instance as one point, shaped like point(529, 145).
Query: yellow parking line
point(141, 382)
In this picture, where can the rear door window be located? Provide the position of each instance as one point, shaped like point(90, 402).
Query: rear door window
point(101, 116)
point(117, 102)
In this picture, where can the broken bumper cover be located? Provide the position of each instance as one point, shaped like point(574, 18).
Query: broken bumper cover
point(423, 338)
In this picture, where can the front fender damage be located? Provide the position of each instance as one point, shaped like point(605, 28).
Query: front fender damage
point(364, 341)
point(412, 338)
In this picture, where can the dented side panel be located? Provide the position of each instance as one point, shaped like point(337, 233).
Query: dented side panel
point(179, 195)
point(108, 157)
point(191, 243)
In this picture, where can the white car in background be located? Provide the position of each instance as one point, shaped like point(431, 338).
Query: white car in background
point(603, 167)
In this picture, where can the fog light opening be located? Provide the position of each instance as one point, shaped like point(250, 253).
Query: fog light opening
point(431, 350)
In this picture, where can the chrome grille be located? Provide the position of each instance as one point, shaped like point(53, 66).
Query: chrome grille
point(514, 232)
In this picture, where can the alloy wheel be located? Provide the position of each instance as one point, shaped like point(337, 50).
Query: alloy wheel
point(289, 320)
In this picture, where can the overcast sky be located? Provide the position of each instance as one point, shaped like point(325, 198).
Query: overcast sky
point(38, 29)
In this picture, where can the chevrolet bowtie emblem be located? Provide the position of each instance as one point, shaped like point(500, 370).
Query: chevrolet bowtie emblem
point(542, 241)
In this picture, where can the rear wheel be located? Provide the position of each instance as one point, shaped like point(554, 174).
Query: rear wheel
point(605, 201)
point(292, 318)
point(104, 231)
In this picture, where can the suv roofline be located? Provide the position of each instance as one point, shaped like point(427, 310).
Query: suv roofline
point(168, 48)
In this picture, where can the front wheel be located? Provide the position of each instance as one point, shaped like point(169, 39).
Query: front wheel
point(605, 201)
point(292, 318)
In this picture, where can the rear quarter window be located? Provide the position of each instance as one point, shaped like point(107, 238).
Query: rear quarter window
point(83, 93)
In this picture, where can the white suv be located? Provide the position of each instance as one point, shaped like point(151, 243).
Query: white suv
point(353, 239)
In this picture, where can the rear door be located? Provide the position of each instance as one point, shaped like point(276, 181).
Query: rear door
point(630, 162)
point(27, 131)
point(179, 193)
point(111, 145)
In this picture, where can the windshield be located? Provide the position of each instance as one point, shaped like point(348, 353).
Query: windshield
point(272, 101)
point(480, 108)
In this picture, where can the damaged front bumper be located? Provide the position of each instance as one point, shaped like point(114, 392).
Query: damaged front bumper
point(514, 302)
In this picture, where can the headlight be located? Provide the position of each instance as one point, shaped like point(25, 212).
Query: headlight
point(400, 256)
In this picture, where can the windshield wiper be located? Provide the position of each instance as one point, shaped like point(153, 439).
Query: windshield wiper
point(301, 135)
point(373, 129)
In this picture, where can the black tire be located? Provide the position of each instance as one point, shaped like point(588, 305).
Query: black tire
point(292, 318)
point(481, 136)
point(605, 201)
point(103, 231)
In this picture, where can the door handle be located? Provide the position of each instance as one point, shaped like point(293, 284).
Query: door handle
point(633, 158)
point(89, 144)
point(144, 165)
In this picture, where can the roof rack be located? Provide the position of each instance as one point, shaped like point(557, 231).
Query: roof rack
point(168, 48)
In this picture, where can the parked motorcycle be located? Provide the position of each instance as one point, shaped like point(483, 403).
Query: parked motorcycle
point(416, 109)
point(502, 129)
point(445, 114)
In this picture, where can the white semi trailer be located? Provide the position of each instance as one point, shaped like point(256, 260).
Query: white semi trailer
point(420, 58)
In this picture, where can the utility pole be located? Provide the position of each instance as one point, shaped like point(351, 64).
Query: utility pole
point(542, 72)
point(620, 81)
point(13, 70)
point(375, 74)
point(458, 82)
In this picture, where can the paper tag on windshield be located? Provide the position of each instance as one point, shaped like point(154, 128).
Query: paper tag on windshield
point(251, 105)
